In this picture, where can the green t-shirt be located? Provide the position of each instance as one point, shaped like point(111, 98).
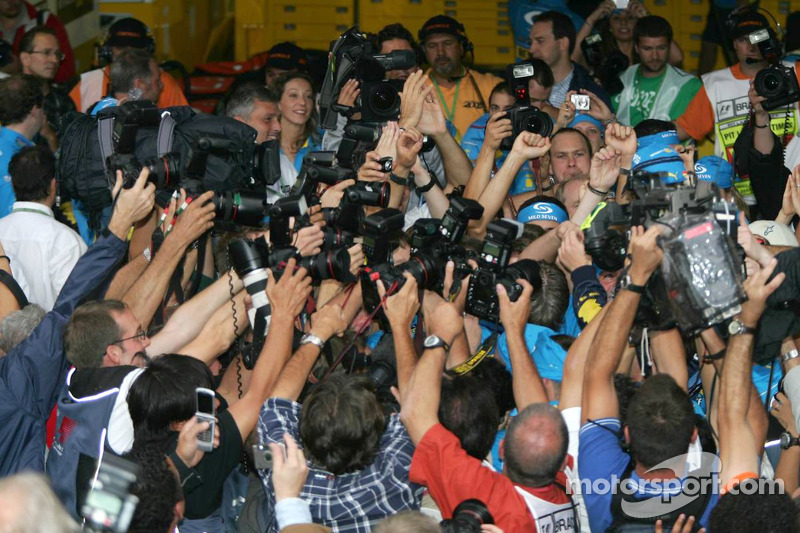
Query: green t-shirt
point(644, 95)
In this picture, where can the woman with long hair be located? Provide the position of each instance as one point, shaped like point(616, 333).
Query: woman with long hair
point(299, 128)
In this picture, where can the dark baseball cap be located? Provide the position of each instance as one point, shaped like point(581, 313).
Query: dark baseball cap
point(286, 56)
point(747, 23)
point(442, 24)
point(129, 32)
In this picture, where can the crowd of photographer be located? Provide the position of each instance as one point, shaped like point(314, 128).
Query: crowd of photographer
point(397, 299)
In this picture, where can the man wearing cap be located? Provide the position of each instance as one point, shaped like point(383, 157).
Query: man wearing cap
point(284, 57)
point(124, 34)
point(722, 104)
point(463, 93)
point(653, 88)
point(18, 17)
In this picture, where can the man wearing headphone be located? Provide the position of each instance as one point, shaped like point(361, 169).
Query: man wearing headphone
point(124, 34)
point(722, 105)
point(463, 93)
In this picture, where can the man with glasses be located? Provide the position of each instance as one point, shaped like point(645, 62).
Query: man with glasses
point(40, 55)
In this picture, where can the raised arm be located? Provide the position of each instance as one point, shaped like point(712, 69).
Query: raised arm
point(146, 294)
point(457, 166)
point(420, 401)
point(739, 450)
point(400, 310)
point(497, 128)
point(287, 298)
point(527, 384)
point(599, 398)
point(191, 317)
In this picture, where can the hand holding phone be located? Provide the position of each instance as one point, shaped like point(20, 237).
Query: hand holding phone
point(206, 412)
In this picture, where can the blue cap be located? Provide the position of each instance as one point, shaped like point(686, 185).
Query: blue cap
point(548, 355)
point(715, 169)
point(660, 158)
point(542, 211)
point(580, 117)
point(664, 137)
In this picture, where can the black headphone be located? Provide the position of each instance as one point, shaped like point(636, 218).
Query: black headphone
point(104, 54)
point(733, 19)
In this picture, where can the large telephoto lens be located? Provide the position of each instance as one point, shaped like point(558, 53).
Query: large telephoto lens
point(245, 207)
point(164, 170)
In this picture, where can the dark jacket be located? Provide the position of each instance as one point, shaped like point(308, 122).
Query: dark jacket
point(33, 373)
point(583, 80)
point(767, 173)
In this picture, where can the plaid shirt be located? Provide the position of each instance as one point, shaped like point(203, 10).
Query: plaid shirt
point(350, 502)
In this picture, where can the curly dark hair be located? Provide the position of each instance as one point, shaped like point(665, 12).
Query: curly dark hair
point(19, 94)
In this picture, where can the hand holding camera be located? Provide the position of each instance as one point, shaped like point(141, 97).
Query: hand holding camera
point(572, 253)
point(132, 204)
point(581, 102)
point(349, 93)
point(645, 253)
point(289, 468)
point(332, 196)
point(372, 170)
point(196, 219)
point(288, 296)
point(497, 128)
point(401, 306)
point(188, 450)
point(514, 315)
point(758, 289)
point(309, 240)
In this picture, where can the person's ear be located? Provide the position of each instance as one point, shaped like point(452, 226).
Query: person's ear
point(628, 435)
point(24, 58)
point(112, 356)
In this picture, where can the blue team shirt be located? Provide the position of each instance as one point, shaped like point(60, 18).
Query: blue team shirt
point(11, 142)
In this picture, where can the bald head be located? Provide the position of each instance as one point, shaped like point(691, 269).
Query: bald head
point(536, 445)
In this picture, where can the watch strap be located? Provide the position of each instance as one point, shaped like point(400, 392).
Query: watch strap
point(310, 338)
point(402, 181)
point(427, 187)
point(788, 356)
point(434, 341)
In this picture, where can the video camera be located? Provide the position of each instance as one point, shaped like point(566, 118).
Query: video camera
point(523, 116)
point(352, 56)
point(701, 271)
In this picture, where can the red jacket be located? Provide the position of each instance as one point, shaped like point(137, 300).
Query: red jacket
point(67, 69)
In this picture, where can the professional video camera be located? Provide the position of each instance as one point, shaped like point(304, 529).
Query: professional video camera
point(523, 116)
point(352, 56)
point(701, 271)
point(493, 268)
point(777, 83)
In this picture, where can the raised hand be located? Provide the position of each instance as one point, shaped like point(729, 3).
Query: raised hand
point(621, 138)
point(758, 290)
point(402, 306)
point(409, 144)
point(289, 472)
point(604, 171)
point(531, 145)
point(288, 296)
point(349, 93)
point(415, 90)
point(646, 255)
point(497, 128)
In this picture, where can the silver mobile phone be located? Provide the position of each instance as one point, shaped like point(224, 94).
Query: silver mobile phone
point(206, 412)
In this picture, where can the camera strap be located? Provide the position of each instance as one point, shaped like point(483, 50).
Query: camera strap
point(450, 112)
point(486, 349)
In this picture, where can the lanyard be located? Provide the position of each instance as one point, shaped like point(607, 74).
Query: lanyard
point(450, 113)
point(25, 209)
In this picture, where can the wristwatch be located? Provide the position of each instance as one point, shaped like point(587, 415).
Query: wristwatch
point(402, 181)
point(737, 328)
point(788, 356)
point(434, 341)
point(428, 186)
point(626, 284)
point(310, 338)
point(787, 441)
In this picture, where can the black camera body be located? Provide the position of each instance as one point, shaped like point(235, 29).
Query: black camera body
point(381, 234)
point(495, 254)
point(777, 83)
point(523, 116)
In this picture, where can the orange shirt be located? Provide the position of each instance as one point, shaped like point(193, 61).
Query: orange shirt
point(462, 104)
point(171, 95)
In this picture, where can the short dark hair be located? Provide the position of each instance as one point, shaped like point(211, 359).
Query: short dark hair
point(165, 393)
point(129, 66)
point(542, 72)
point(652, 26)
point(32, 170)
point(562, 26)
point(157, 488)
point(494, 373)
point(341, 424)
point(754, 513)
point(501, 87)
point(660, 421)
point(550, 303)
point(19, 94)
point(530, 233)
point(26, 43)
point(651, 126)
point(535, 464)
point(563, 131)
point(90, 330)
point(469, 411)
point(394, 31)
point(245, 96)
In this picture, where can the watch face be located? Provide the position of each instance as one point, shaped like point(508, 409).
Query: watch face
point(431, 341)
point(786, 440)
point(734, 327)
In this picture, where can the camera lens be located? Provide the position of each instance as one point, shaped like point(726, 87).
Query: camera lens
point(245, 207)
point(328, 265)
point(384, 99)
point(526, 269)
point(164, 170)
point(248, 256)
point(769, 83)
point(538, 122)
point(423, 269)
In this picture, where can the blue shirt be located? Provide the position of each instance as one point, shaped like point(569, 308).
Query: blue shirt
point(11, 142)
point(602, 458)
point(471, 143)
point(108, 101)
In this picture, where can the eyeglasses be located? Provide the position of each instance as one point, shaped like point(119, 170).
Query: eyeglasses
point(58, 54)
point(141, 335)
